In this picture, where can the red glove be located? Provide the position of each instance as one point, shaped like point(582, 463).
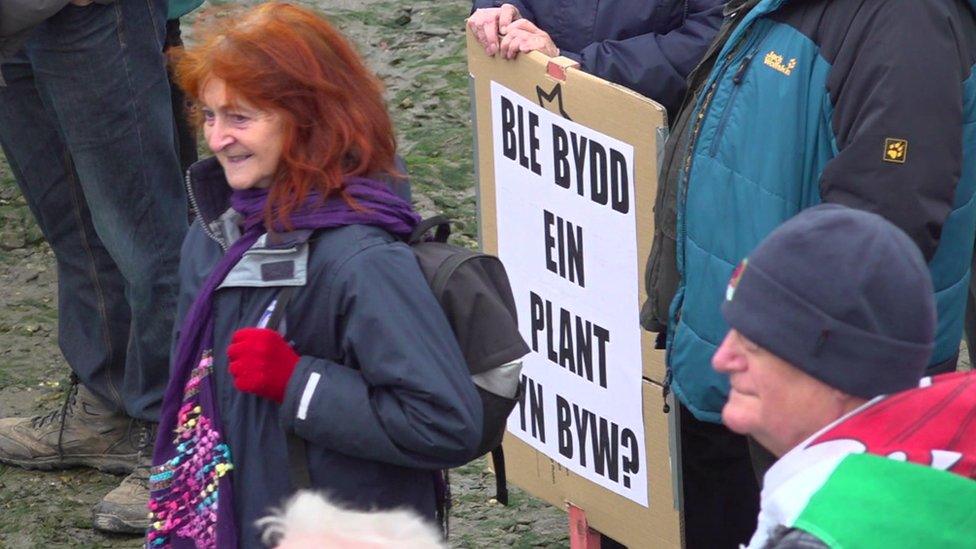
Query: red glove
point(261, 362)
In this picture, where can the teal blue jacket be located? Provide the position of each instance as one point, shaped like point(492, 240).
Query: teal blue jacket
point(179, 8)
point(867, 103)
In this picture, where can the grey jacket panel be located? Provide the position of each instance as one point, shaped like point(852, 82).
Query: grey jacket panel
point(265, 265)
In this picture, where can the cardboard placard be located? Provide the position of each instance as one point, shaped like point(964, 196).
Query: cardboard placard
point(567, 178)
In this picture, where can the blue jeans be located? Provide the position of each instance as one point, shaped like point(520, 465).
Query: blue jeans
point(87, 126)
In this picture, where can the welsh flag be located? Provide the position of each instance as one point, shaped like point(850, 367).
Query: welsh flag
point(898, 472)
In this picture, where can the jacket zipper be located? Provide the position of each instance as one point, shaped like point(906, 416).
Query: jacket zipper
point(696, 130)
point(726, 114)
point(196, 211)
point(683, 190)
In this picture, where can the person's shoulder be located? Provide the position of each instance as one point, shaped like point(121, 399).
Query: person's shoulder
point(350, 239)
point(197, 240)
point(893, 10)
point(359, 246)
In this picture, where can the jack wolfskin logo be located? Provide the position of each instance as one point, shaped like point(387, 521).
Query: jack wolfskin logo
point(775, 61)
point(896, 150)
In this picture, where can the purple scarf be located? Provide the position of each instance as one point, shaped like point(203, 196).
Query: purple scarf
point(191, 497)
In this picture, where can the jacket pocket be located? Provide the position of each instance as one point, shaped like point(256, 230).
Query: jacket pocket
point(737, 78)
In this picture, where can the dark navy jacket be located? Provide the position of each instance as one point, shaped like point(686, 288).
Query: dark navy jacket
point(381, 393)
point(866, 103)
point(649, 46)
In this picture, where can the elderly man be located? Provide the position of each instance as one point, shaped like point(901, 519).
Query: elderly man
point(819, 334)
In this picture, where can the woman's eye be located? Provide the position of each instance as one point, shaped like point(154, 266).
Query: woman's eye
point(208, 116)
point(239, 118)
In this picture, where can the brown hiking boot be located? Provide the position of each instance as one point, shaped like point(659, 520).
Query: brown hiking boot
point(84, 432)
point(125, 510)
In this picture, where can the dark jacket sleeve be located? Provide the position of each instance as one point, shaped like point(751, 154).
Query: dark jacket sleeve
point(655, 65)
point(411, 402)
point(524, 10)
point(896, 90)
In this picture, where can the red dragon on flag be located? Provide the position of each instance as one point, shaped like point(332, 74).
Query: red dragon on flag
point(933, 425)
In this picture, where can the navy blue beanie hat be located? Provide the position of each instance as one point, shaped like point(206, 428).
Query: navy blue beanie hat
point(841, 294)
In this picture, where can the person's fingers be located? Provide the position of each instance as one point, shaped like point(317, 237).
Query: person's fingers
point(506, 14)
point(522, 25)
point(514, 44)
point(506, 43)
point(490, 30)
point(539, 42)
point(532, 43)
point(479, 33)
point(235, 350)
point(233, 365)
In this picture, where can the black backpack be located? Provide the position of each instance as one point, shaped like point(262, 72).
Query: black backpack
point(474, 292)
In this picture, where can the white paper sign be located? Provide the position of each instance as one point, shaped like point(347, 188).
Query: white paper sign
point(567, 235)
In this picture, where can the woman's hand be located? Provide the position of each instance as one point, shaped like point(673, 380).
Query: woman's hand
point(261, 362)
point(488, 24)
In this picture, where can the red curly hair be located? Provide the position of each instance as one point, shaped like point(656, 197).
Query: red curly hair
point(289, 60)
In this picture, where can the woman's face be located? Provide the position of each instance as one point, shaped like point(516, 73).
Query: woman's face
point(247, 141)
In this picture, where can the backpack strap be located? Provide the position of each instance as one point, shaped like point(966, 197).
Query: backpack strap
point(297, 462)
point(278, 314)
point(443, 224)
point(498, 464)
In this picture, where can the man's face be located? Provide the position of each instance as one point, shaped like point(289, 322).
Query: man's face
point(770, 400)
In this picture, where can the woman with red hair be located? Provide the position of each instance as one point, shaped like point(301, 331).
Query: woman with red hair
point(370, 378)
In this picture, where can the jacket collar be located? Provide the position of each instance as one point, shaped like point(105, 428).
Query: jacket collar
point(210, 196)
point(208, 190)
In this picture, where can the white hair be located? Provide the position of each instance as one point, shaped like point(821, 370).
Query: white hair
point(309, 520)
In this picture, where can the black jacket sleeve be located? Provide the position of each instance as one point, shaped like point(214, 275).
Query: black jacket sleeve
point(896, 91)
point(652, 64)
point(524, 10)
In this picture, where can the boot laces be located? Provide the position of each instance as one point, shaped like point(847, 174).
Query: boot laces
point(142, 435)
point(66, 408)
point(60, 414)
